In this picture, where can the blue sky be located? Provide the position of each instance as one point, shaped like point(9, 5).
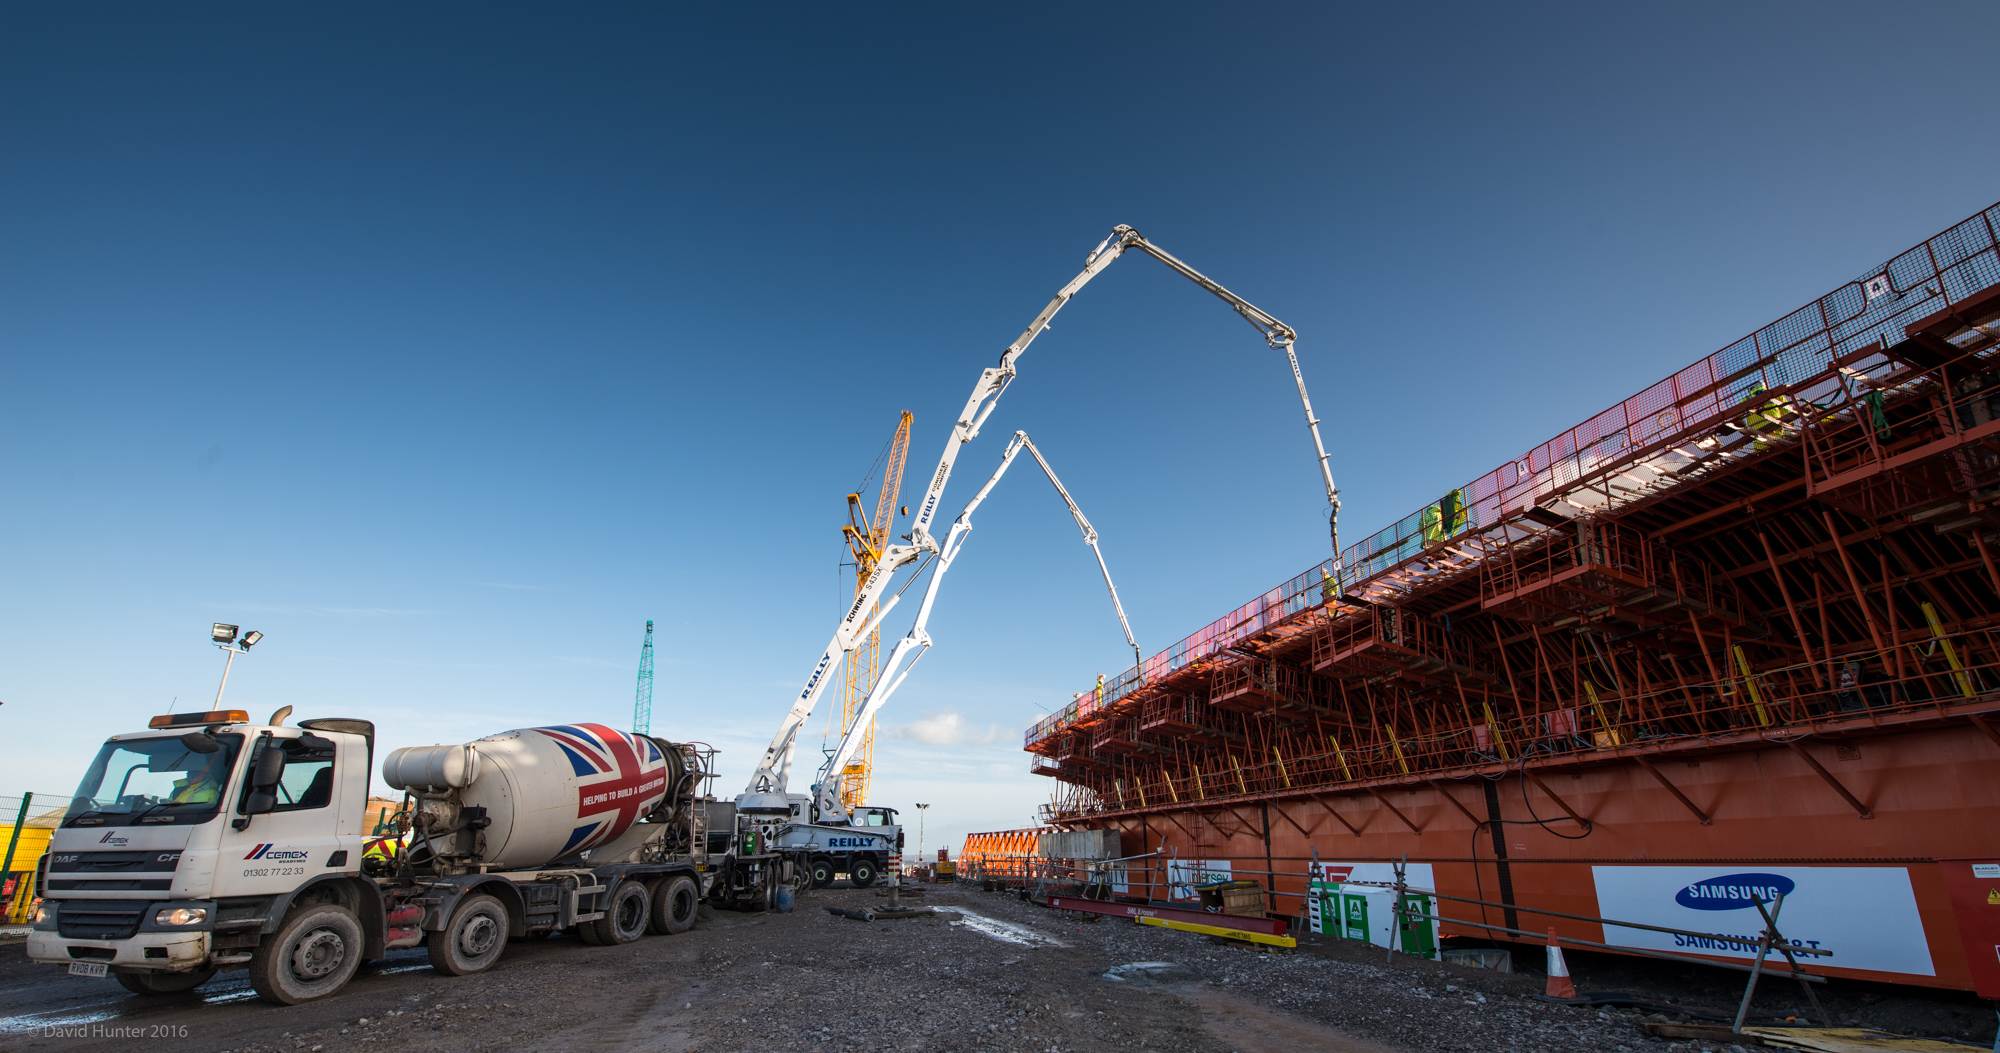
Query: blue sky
point(447, 346)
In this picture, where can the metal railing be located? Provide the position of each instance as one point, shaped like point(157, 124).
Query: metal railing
point(1655, 440)
point(1937, 675)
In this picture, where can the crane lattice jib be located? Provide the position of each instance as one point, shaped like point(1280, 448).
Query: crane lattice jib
point(892, 485)
point(866, 539)
point(642, 700)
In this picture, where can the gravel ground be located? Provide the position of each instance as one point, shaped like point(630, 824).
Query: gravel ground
point(1005, 975)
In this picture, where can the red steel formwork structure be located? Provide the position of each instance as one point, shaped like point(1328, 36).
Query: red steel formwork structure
point(1002, 854)
point(1745, 620)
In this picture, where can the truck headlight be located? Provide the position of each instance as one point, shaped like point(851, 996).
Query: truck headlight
point(181, 916)
point(41, 914)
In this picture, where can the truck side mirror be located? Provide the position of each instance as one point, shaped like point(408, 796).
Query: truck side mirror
point(260, 802)
point(265, 772)
point(270, 767)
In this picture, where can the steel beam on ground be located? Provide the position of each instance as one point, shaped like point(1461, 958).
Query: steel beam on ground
point(1227, 932)
point(1113, 908)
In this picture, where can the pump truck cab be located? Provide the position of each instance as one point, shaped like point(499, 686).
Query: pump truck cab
point(208, 843)
point(864, 844)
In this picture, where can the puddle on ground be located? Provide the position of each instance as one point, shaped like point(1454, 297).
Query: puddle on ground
point(1005, 931)
point(85, 1015)
point(218, 992)
point(1149, 972)
point(55, 1023)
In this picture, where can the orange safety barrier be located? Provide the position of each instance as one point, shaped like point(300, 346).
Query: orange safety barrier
point(1000, 853)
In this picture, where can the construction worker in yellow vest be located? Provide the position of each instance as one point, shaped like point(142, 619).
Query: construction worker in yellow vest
point(1766, 417)
point(384, 850)
point(1444, 519)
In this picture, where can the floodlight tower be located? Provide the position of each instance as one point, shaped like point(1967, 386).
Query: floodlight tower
point(642, 702)
point(225, 637)
point(921, 810)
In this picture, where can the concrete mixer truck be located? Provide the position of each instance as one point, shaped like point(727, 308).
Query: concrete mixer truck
point(207, 842)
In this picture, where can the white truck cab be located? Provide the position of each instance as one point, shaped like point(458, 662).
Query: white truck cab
point(169, 863)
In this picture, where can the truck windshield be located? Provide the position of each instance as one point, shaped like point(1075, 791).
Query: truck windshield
point(158, 775)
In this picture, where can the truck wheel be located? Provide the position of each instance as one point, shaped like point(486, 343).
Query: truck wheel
point(163, 983)
point(626, 913)
point(861, 873)
point(674, 903)
point(822, 871)
point(312, 955)
point(473, 940)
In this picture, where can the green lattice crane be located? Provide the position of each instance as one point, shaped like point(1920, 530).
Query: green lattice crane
point(642, 703)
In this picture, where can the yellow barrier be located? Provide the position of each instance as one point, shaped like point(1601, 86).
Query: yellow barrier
point(1217, 930)
point(27, 853)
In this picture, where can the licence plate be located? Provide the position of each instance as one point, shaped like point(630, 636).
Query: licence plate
point(86, 968)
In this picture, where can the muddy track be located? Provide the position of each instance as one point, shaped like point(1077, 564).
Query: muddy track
point(1004, 976)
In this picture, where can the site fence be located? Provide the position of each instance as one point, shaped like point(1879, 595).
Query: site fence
point(1750, 381)
point(30, 819)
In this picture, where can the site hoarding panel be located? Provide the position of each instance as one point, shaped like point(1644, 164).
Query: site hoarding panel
point(1867, 916)
point(1337, 907)
point(1184, 874)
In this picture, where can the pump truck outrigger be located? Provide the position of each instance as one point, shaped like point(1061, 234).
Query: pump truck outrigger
point(208, 843)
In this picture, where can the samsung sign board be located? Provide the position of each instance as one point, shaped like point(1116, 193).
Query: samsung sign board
point(1867, 916)
point(1735, 892)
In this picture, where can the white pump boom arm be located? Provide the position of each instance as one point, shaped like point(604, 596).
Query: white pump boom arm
point(918, 640)
point(855, 625)
point(1089, 538)
point(1277, 334)
point(775, 767)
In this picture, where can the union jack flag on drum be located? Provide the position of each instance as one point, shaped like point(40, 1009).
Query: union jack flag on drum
point(627, 775)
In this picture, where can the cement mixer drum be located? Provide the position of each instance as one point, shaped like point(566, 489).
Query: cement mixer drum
point(549, 792)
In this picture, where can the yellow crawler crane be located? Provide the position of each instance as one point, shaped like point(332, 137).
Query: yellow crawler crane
point(866, 537)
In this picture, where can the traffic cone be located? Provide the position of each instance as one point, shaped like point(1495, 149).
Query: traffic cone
point(1559, 983)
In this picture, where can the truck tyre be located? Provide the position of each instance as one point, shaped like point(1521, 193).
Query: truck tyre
point(626, 912)
point(822, 871)
point(312, 955)
point(163, 983)
point(861, 872)
point(473, 939)
point(674, 902)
